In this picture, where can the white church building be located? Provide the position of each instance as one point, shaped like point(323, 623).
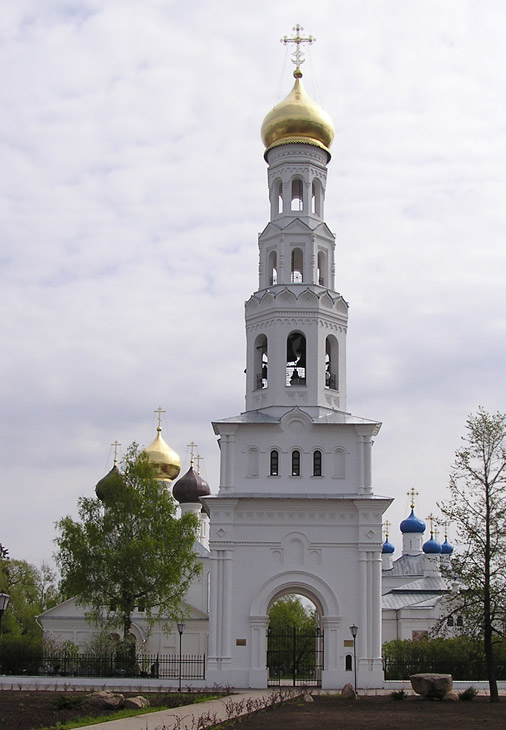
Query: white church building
point(296, 511)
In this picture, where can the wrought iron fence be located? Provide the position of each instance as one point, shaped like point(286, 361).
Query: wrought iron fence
point(460, 670)
point(162, 666)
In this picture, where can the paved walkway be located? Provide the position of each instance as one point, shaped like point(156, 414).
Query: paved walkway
point(185, 718)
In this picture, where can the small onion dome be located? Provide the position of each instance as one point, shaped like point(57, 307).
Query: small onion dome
point(412, 523)
point(432, 546)
point(109, 485)
point(387, 548)
point(166, 462)
point(297, 119)
point(190, 488)
point(446, 548)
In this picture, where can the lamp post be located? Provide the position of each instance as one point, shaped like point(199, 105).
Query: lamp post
point(4, 602)
point(180, 628)
point(354, 631)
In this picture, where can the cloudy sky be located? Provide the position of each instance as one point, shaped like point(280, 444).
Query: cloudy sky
point(133, 188)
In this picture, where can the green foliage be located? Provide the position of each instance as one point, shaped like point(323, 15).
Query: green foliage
point(20, 651)
point(69, 702)
point(32, 590)
point(468, 694)
point(289, 611)
point(128, 550)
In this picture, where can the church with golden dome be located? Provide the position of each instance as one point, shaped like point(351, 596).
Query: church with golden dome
point(295, 511)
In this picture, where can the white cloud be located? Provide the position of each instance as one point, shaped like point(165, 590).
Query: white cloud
point(132, 192)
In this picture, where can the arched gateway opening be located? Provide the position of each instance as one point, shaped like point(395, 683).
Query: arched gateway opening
point(294, 642)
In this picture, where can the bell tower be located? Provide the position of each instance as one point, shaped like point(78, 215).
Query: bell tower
point(295, 512)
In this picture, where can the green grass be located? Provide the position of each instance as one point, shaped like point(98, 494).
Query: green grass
point(194, 699)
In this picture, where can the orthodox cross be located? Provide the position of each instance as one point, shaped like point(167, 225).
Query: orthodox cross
point(192, 446)
point(412, 494)
point(198, 459)
point(115, 445)
point(387, 528)
point(159, 411)
point(298, 52)
point(431, 519)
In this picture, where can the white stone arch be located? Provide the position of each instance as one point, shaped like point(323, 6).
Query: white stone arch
point(300, 582)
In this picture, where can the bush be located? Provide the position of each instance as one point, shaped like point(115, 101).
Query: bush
point(398, 694)
point(468, 694)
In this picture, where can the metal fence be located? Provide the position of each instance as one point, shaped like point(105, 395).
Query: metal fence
point(460, 670)
point(162, 666)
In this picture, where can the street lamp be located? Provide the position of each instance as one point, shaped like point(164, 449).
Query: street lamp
point(180, 628)
point(354, 632)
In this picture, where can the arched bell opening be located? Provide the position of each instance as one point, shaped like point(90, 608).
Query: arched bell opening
point(316, 198)
point(297, 266)
point(296, 359)
point(331, 363)
point(321, 271)
point(261, 362)
point(273, 268)
point(297, 196)
point(277, 204)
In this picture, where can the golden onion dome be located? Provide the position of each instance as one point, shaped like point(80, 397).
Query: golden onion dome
point(166, 462)
point(297, 119)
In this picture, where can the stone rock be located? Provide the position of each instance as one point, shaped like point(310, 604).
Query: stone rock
point(107, 700)
point(451, 696)
point(136, 703)
point(348, 692)
point(433, 686)
point(308, 698)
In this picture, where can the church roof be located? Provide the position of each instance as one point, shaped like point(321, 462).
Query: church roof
point(407, 565)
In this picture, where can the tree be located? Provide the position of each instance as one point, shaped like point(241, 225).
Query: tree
point(477, 508)
point(288, 612)
point(128, 550)
point(32, 590)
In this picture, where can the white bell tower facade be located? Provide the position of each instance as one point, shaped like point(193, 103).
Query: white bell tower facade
point(296, 512)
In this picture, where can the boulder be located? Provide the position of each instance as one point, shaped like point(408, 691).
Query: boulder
point(432, 686)
point(451, 696)
point(348, 692)
point(308, 698)
point(136, 703)
point(107, 700)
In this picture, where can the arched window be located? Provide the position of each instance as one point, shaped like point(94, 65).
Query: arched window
point(348, 663)
point(296, 463)
point(460, 621)
point(274, 463)
point(317, 463)
point(340, 464)
point(297, 202)
point(450, 621)
point(331, 362)
point(296, 359)
point(321, 272)
point(273, 268)
point(279, 196)
point(297, 266)
point(261, 362)
point(316, 198)
point(253, 461)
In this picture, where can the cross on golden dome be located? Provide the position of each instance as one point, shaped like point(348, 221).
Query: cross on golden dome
point(298, 52)
point(159, 411)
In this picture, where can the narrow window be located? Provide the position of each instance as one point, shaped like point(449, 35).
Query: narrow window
point(297, 266)
point(273, 268)
point(317, 464)
point(261, 362)
point(331, 363)
point(297, 200)
point(274, 465)
point(322, 269)
point(450, 621)
point(316, 198)
point(296, 359)
point(295, 463)
point(460, 621)
point(348, 663)
point(280, 196)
